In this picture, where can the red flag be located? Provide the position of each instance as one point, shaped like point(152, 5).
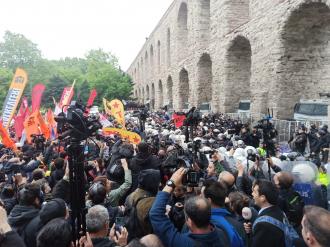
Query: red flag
point(6, 140)
point(37, 92)
point(23, 107)
point(91, 98)
point(178, 120)
point(26, 113)
point(19, 125)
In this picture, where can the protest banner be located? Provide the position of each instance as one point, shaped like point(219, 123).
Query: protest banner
point(13, 97)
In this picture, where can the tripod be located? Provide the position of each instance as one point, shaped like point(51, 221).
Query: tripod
point(77, 189)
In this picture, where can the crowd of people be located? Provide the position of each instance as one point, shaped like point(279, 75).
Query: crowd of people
point(212, 182)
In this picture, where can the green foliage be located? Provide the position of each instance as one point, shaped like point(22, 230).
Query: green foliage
point(18, 51)
point(6, 76)
point(98, 69)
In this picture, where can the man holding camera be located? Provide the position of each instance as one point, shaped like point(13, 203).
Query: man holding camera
point(198, 216)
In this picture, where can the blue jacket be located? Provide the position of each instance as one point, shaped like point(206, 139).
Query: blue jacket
point(223, 219)
point(171, 237)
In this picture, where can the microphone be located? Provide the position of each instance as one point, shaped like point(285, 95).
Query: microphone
point(247, 214)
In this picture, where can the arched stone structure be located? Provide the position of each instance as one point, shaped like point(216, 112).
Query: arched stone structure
point(204, 80)
point(168, 51)
point(152, 61)
point(153, 96)
point(160, 94)
point(169, 87)
point(272, 53)
point(184, 89)
point(305, 64)
point(182, 33)
point(237, 73)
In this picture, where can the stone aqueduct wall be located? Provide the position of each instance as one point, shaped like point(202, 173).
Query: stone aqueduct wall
point(273, 52)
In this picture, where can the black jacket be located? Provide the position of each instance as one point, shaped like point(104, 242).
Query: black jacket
point(142, 162)
point(55, 208)
point(11, 239)
point(266, 234)
point(20, 216)
point(103, 242)
point(62, 190)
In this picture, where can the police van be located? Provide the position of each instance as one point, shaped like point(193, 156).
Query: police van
point(311, 110)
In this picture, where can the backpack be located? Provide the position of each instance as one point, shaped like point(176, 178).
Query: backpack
point(235, 239)
point(132, 222)
point(289, 232)
point(294, 208)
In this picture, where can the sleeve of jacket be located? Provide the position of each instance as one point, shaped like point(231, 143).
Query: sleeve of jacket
point(276, 168)
point(115, 195)
point(244, 184)
point(162, 225)
point(12, 239)
point(31, 166)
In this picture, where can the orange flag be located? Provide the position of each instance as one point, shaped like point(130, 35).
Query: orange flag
point(6, 140)
point(43, 126)
point(31, 126)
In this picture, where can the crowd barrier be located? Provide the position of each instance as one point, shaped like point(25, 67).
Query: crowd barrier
point(287, 128)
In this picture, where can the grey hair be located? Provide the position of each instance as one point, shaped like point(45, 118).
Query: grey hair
point(96, 218)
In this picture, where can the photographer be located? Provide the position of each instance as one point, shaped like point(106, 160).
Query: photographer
point(97, 222)
point(142, 161)
point(198, 216)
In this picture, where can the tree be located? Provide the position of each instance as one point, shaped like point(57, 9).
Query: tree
point(103, 73)
point(18, 51)
point(6, 76)
point(98, 69)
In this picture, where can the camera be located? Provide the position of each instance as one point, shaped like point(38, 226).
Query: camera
point(191, 177)
point(38, 141)
point(251, 155)
point(76, 124)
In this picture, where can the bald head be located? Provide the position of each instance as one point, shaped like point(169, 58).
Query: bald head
point(227, 178)
point(151, 240)
point(198, 209)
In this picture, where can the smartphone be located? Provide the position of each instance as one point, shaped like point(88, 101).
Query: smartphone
point(120, 222)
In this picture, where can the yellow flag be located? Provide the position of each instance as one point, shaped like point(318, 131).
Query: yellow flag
point(116, 109)
point(132, 137)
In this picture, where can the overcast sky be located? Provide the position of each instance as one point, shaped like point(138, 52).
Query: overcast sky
point(69, 28)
